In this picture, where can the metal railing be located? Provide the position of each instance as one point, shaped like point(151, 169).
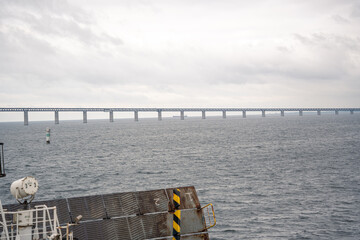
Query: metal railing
point(38, 223)
point(209, 216)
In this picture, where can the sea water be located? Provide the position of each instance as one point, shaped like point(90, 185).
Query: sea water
point(276, 177)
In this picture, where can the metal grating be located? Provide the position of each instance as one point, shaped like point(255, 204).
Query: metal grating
point(80, 232)
point(122, 229)
point(153, 201)
point(94, 230)
point(90, 207)
point(157, 225)
point(108, 229)
point(192, 221)
point(61, 207)
point(131, 215)
point(129, 203)
point(95, 206)
point(113, 205)
point(136, 227)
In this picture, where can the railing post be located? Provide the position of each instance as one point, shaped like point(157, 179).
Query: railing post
point(177, 214)
point(203, 114)
point(244, 114)
point(5, 227)
point(224, 114)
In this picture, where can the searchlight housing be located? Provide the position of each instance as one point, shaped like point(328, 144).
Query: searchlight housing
point(24, 189)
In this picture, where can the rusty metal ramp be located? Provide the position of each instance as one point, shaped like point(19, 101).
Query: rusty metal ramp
point(173, 213)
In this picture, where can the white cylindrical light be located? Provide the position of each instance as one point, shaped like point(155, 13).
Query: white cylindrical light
point(24, 187)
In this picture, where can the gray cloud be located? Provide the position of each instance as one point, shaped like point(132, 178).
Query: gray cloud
point(148, 53)
point(341, 20)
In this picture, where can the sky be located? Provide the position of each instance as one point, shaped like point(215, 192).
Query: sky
point(157, 53)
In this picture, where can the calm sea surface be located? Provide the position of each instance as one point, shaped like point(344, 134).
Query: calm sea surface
point(269, 178)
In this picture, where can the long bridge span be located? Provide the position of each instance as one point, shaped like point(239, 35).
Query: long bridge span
point(180, 110)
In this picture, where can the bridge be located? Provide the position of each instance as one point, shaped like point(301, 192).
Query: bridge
point(180, 110)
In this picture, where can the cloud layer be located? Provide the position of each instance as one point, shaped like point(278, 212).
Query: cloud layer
point(179, 53)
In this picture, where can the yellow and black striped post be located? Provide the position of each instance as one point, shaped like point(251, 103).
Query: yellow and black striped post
point(177, 215)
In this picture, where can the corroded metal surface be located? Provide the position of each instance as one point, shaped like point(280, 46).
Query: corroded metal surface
point(130, 215)
point(196, 236)
point(189, 198)
point(153, 201)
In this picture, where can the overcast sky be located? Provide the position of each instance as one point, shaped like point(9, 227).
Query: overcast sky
point(198, 53)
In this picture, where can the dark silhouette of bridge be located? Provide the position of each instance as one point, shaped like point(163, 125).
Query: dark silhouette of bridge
point(180, 110)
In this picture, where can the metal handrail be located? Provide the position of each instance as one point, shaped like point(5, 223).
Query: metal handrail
point(208, 215)
point(46, 219)
point(4, 220)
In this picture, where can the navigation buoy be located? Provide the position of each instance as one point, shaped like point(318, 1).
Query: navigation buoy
point(47, 135)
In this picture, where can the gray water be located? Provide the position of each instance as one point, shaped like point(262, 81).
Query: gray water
point(269, 178)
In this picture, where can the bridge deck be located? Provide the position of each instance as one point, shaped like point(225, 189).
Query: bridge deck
point(168, 109)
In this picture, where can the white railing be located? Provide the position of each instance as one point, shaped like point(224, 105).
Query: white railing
point(34, 224)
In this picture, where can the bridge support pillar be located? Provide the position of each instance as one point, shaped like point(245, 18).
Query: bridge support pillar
point(136, 116)
point(282, 113)
point(84, 116)
point(263, 113)
point(111, 116)
point(56, 117)
point(351, 112)
point(203, 115)
point(182, 117)
point(224, 114)
point(300, 113)
point(159, 115)
point(336, 112)
point(244, 114)
point(26, 118)
point(318, 112)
